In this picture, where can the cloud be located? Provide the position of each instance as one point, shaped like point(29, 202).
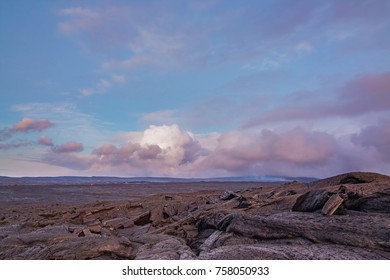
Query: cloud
point(149, 152)
point(170, 151)
point(80, 18)
point(362, 11)
point(70, 161)
point(27, 124)
point(179, 146)
point(176, 35)
point(68, 119)
point(180, 35)
point(130, 153)
point(15, 144)
point(160, 147)
point(238, 151)
point(369, 93)
point(45, 141)
point(5, 134)
point(103, 86)
point(100, 28)
point(377, 137)
point(69, 147)
point(302, 147)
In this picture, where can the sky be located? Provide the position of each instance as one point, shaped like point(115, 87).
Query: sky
point(194, 88)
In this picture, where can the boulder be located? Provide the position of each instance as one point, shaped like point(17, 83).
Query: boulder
point(311, 201)
point(333, 203)
point(156, 215)
point(377, 203)
point(228, 195)
point(170, 210)
point(118, 223)
point(142, 219)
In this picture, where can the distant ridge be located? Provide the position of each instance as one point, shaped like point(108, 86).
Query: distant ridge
point(108, 179)
point(350, 178)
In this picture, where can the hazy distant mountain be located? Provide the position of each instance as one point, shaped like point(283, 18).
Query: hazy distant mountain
point(103, 179)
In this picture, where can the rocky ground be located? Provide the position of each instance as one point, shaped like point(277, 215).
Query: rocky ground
point(342, 217)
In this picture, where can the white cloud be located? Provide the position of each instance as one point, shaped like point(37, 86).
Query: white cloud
point(159, 150)
point(178, 146)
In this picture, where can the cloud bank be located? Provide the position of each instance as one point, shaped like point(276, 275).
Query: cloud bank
point(168, 150)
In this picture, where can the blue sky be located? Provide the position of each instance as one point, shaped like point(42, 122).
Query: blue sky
point(194, 88)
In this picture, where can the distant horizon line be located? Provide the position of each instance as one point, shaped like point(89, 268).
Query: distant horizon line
point(167, 178)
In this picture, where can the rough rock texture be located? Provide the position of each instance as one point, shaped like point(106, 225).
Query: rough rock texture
point(342, 217)
point(311, 201)
point(332, 204)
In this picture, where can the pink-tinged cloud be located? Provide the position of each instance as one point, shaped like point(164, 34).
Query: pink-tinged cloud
point(27, 124)
point(69, 147)
point(303, 147)
point(365, 94)
point(170, 151)
point(45, 141)
point(237, 151)
point(106, 150)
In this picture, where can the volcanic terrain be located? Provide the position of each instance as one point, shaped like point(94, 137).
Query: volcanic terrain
point(342, 217)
